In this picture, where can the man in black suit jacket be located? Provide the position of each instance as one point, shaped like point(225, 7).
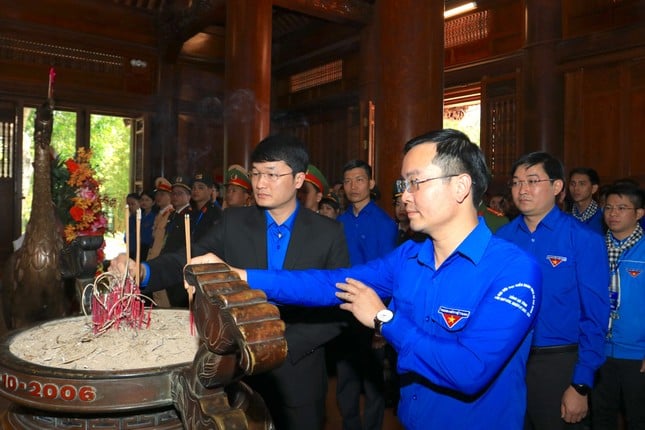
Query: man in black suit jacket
point(256, 237)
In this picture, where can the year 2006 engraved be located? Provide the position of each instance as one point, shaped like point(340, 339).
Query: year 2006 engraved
point(51, 391)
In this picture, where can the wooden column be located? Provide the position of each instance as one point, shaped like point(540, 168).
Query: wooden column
point(163, 148)
point(409, 71)
point(543, 83)
point(248, 77)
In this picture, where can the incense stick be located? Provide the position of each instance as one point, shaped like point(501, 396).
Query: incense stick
point(187, 232)
point(189, 290)
point(138, 255)
point(127, 230)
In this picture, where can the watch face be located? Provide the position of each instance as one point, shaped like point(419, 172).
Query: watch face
point(384, 315)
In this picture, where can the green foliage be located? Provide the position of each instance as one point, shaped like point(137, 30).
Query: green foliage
point(61, 192)
point(110, 143)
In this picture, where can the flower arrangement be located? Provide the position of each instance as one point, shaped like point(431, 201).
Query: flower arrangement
point(86, 209)
point(79, 205)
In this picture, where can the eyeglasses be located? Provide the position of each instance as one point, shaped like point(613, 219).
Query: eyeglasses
point(406, 184)
point(270, 177)
point(620, 209)
point(531, 183)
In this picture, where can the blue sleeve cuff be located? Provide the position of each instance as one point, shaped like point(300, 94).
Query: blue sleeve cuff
point(146, 279)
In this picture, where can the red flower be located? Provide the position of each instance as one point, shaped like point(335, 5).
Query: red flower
point(71, 165)
point(76, 213)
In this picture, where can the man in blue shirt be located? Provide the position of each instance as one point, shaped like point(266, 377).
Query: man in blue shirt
point(583, 184)
point(370, 233)
point(462, 303)
point(621, 379)
point(571, 325)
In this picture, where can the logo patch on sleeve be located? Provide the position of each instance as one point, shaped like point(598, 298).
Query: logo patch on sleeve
point(521, 296)
point(555, 260)
point(452, 316)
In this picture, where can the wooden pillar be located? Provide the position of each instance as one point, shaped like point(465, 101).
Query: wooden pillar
point(368, 86)
point(163, 148)
point(248, 77)
point(409, 72)
point(543, 83)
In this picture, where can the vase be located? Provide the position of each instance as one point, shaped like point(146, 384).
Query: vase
point(79, 258)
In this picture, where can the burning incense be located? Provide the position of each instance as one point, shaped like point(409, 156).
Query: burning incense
point(138, 252)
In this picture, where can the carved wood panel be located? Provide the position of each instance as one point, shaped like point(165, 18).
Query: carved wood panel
point(604, 129)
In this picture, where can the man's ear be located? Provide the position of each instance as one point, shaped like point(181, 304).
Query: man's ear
point(299, 179)
point(372, 184)
point(558, 185)
point(463, 186)
point(639, 213)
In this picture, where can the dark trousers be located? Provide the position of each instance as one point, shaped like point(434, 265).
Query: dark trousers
point(360, 369)
point(620, 388)
point(295, 393)
point(548, 375)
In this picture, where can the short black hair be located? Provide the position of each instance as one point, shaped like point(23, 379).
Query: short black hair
point(593, 176)
point(135, 196)
point(356, 164)
point(456, 154)
point(282, 147)
point(633, 193)
point(552, 166)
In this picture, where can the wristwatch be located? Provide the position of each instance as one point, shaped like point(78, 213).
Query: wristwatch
point(383, 316)
point(582, 389)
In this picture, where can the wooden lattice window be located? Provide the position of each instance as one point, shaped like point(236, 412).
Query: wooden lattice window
point(466, 29)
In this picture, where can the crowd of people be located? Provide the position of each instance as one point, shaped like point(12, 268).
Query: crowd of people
point(516, 309)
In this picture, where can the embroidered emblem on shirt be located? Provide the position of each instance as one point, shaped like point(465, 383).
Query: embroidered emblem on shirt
point(634, 272)
point(555, 259)
point(521, 296)
point(452, 316)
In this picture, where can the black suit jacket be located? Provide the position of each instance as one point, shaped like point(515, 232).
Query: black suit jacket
point(239, 238)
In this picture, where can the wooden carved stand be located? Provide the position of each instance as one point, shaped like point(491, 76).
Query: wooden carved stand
point(241, 334)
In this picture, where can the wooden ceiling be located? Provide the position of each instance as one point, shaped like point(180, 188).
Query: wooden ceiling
point(289, 15)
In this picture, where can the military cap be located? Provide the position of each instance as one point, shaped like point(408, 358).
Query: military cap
point(237, 175)
point(316, 177)
point(162, 184)
point(180, 181)
point(203, 178)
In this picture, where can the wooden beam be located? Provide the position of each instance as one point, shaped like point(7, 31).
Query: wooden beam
point(177, 25)
point(340, 11)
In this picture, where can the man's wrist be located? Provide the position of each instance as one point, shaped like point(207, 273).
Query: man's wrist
point(383, 316)
point(144, 271)
point(581, 389)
